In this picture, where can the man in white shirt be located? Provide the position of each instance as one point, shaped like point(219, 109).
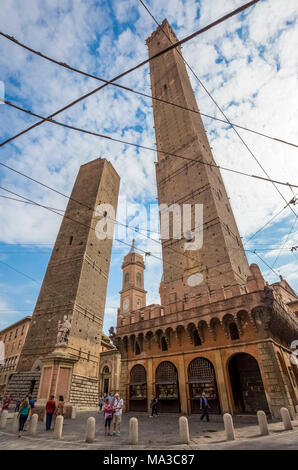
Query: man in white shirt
point(117, 405)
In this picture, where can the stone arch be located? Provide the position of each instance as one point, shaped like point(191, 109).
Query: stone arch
point(179, 333)
point(168, 335)
point(246, 384)
point(202, 378)
point(132, 342)
point(242, 318)
point(261, 317)
point(105, 377)
point(231, 327)
point(167, 387)
point(148, 338)
point(194, 334)
point(203, 330)
point(138, 388)
point(214, 326)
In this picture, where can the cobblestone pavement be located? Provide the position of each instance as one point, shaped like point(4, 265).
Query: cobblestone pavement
point(159, 433)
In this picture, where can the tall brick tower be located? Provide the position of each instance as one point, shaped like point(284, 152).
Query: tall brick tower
point(65, 332)
point(220, 329)
point(221, 261)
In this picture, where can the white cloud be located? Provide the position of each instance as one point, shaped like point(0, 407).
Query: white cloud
point(255, 83)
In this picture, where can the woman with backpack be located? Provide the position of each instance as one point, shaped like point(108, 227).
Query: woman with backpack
point(23, 414)
point(108, 411)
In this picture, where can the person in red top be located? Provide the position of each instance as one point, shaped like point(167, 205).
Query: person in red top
point(50, 410)
point(6, 403)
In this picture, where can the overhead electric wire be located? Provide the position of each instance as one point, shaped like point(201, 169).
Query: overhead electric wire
point(123, 74)
point(287, 237)
point(127, 244)
point(103, 136)
point(218, 107)
point(145, 95)
point(94, 229)
point(271, 219)
point(273, 270)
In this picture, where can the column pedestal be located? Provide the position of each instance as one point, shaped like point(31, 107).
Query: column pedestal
point(56, 375)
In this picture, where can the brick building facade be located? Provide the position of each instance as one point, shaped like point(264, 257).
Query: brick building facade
point(220, 327)
point(13, 338)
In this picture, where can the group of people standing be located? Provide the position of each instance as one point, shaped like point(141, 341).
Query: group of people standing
point(54, 409)
point(25, 407)
point(111, 406)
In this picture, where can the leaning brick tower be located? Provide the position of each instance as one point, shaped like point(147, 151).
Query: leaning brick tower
point(221, 261)
point(61, 352)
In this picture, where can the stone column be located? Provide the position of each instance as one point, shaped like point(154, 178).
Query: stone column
point(150, 391)
point(182, 384)
point(221, 384)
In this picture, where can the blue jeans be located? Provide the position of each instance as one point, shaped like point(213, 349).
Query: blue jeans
point(49, 421)
point(22, 421)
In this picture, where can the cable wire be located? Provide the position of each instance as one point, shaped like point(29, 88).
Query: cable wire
point(123, 74)
point(155, 150)
point(144, 95)
point(218, 107)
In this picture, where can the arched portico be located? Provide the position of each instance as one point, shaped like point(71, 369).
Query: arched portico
point(247, 384)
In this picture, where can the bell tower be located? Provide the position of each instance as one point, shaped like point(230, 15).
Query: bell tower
point(132, 295)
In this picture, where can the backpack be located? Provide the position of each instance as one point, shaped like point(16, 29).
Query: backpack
point(151, 404)
point(109, 412)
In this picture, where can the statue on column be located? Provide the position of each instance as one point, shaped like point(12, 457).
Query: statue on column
point(63, 330)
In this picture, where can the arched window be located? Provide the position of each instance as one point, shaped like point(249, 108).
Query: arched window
point(138, 350)
point(139, 279)
point(234, 333)
point(106, 370)
point(138, 389)
point(126, 279)
point(196, 338)
point(201, 378)
point(164, 346)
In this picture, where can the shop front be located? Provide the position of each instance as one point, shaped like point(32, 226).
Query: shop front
point(167, 388)
point(138, 389)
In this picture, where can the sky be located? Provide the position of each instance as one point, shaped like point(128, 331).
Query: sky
point(249, 63)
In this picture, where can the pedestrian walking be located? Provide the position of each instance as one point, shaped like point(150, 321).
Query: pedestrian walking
point(17, 407)
point(50, 410)
point(154, 406)
point(31, 407)
point(100, 402)
point(108, 411)
point(204, 405)
point(23, 415)
point(6, 403)
point(117, 405)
